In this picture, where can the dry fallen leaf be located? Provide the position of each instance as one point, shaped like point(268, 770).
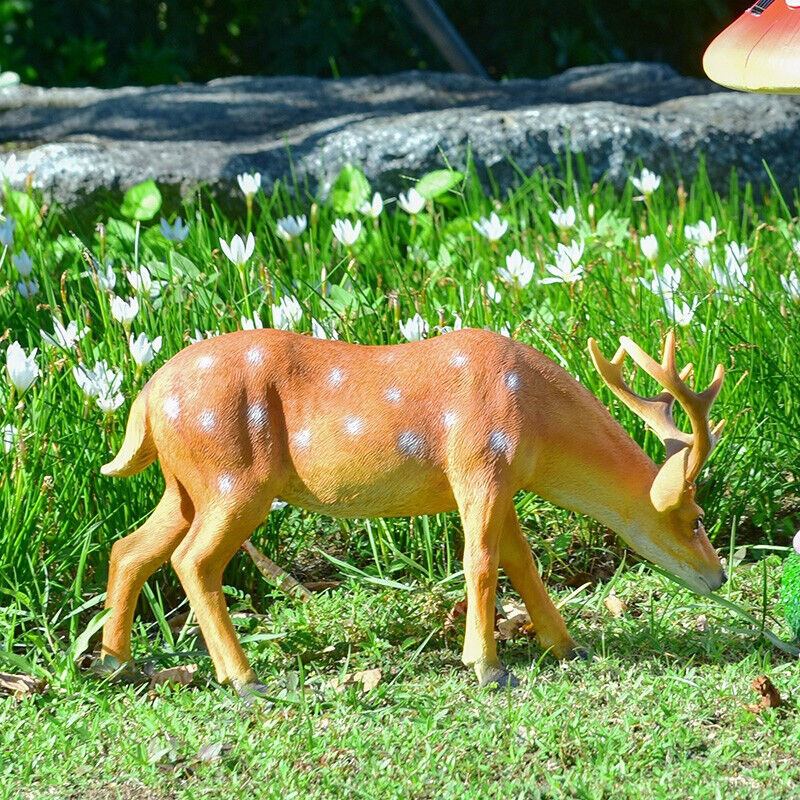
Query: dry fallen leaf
point(368, 678)
point(701, 623)
point(182, 675)
point(770, 696)
point(21, 685)
point(456, 612)
point(615, 606)
point(516, 621)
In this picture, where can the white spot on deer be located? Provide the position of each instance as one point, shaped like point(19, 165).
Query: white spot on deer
point(411, 444)
point(458, 359)
point(257, 415)
point(225, 483)
point(172, 407)
point(254, 355)
point(500, 442)
point(354, 425)
point(393, 395)
point(336, 377)
point(207, 419)
point(513, 380)
point(302, 438)
point(449, 419)
point(204, 362)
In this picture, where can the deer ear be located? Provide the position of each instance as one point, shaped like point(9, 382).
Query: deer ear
point(669, 485)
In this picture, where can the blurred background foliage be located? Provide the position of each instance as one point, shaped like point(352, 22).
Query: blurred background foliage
point(117, 42)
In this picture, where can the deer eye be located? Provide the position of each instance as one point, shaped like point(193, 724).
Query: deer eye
point(698, 523)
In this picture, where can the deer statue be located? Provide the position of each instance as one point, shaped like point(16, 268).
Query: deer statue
point(461, 421)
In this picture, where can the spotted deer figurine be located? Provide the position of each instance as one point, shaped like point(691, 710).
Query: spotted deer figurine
point(462, 421)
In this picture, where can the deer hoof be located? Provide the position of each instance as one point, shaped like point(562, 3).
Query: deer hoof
point(251, 692)
point(579, 653)
point(499, 678)
point(119, 672)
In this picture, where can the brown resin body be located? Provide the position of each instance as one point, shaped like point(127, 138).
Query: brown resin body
point(461, 421)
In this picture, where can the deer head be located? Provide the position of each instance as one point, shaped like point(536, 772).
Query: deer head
point(671, 532)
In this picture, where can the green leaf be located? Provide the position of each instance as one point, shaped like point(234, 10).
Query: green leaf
point(350, 190)
point(81, 643)
point(141, 202)
point(438, 182)
point(24, 210)
point(120, 232)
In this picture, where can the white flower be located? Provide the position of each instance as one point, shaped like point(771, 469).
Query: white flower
point(23, 263)
point(98, 381)
point(109, 403)
point(566, 269)
point(288, 314)
point(239, 252)
point(518, 270)
point(319, 332)
point(289, 228)
point(124, 311)
point(177, 232)
point(106, 280)
point(346, 232)
point(703, 233)
point(64, 337)
point(791, 285)
point(7, 232)
point(252, 323)
point(9, 434)
point(249, 183)
point(680, 313)
point(647, 182)
point(493, 293)
point(492, 228)
point(22, 369)
point(199, 335)
point(572, 252)
point(372, 209)
point(736, 253)
point(8, 167)
point(143, 350)
point(411, 203)
point(702, 255)
point(734, 274)
point(28, 288)
point(664, 284)
point(457, 325)
point(414, 329)
point(649, 245)
point(563, 272)
point(563, 219)
point(143, 283)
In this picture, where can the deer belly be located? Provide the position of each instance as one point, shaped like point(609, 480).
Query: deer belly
point(343, 487)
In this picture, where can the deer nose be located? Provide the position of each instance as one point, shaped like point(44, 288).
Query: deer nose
point(723, 578)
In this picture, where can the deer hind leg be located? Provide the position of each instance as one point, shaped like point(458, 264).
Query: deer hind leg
point(517, 562)
point(134, 559)
point(219, 530)
point(482, 514)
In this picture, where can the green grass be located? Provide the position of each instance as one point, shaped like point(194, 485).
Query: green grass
point(660, 712)
point(655, 715)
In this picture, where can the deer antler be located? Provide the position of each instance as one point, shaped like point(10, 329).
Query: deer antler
point(657, 411)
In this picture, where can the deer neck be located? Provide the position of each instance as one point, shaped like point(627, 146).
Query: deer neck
point(595, 468)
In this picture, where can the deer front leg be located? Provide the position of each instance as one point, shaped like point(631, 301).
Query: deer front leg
point(482, 514)
point(518, 563)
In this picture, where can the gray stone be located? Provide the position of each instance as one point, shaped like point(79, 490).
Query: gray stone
point(78, 141)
